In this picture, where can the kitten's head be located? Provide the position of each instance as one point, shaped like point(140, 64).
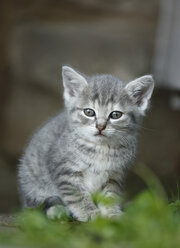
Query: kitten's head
point(103, 109)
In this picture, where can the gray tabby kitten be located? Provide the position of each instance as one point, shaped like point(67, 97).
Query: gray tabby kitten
point(87, 148)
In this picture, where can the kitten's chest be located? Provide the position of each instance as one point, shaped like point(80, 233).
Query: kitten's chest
point(104, 159)
point(95, 181)
point(96, 164)
point(97, 175)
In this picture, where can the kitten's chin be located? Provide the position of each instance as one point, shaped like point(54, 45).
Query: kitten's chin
point(99, 135)
point(95, 138)
point(100, 139)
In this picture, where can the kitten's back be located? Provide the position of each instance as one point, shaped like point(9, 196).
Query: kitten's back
point(33, 172)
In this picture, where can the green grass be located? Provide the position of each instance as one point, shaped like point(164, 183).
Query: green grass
point(148, 222)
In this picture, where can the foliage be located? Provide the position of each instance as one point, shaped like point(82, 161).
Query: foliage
point(148, 222)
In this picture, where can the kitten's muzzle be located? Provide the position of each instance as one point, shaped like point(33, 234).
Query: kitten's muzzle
point(100, 129)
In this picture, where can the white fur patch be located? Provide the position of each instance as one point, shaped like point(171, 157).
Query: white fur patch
point(55, 212)
point(94, 181)
point(110, 211)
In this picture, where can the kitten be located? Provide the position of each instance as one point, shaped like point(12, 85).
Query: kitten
point(87, 148)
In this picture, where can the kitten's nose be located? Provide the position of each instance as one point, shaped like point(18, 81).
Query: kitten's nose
point(100, 127)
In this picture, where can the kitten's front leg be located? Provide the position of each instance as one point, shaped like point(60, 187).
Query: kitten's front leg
point(78, 203)
point(112, 192)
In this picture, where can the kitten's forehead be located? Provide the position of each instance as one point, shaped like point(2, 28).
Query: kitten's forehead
point(105, 89)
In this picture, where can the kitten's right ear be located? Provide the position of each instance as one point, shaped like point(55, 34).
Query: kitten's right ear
point(73, 82)
point(140, 91)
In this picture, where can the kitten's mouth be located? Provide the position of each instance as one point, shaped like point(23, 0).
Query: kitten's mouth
point(100, 134)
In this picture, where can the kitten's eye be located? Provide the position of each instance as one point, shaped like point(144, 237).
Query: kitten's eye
point(89, 112)
point(115, 114)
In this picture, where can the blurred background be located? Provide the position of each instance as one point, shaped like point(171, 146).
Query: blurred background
point(127, 38)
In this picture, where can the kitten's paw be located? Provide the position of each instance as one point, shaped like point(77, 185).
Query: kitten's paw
point(94, 214)
point(53, 207)
point(56, 212)
point(110, 212)
point(86, 215)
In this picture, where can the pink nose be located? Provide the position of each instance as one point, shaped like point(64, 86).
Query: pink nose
point(100, 127)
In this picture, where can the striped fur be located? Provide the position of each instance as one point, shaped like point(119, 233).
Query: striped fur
point(66, 161)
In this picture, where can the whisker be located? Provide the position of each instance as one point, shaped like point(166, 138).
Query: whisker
point(136, 125)
point(145, 128)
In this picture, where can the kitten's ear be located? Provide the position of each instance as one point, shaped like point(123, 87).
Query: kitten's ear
point(73, 82)
point(140, 91)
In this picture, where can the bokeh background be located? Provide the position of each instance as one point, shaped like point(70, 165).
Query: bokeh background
point(127, 38)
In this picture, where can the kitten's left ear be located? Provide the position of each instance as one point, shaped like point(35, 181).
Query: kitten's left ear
point(140, 91)
point(73, 82)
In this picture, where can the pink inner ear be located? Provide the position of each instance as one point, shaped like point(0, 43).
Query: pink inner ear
point(140, 91)
point(72, 88)
point(139, 95)
point(73, 81)
point(71, 92)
